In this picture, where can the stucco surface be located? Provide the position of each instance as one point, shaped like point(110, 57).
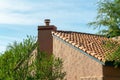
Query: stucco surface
point(77, 65)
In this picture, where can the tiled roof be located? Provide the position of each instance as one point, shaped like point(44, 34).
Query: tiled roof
point(89, 43)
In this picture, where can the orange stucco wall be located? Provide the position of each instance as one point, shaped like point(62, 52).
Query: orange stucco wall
point(77, 65)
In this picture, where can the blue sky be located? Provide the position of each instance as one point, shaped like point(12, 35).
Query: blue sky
point(19, 18)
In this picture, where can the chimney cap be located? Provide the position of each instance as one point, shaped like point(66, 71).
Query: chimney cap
point(47, 22)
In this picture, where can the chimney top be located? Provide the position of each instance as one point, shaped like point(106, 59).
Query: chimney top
point(47, 22)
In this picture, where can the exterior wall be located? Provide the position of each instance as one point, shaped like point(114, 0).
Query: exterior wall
point(31, 60)
point(76, 65)
point(111, 73)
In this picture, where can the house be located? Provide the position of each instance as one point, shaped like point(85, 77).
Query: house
point(82, 53)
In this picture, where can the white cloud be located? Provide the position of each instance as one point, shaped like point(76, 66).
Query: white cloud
point(6, 18)
point(13, 12)
point(30, 12)
point(7, 5)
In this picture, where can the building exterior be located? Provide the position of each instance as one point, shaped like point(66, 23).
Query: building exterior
point(83, 54)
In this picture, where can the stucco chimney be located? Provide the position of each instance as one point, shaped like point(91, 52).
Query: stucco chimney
point(45, 39)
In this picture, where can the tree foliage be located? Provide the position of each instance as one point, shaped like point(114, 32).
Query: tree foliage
point(14, 63)
point(114, 54)
point(15, 52)
point(49, 68)
point(108, 16)
point(108, 19)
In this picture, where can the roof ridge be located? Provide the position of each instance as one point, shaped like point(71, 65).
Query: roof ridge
point(80, 33)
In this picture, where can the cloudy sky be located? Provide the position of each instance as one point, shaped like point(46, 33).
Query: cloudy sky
point(19, 18)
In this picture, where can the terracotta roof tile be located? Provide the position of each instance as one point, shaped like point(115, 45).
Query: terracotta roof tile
point(89, 43)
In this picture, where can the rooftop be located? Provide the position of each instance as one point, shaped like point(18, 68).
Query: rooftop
point(90, 43)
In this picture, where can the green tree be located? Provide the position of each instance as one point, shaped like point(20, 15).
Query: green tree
point(14, 63)
point(108, 16)
point(48, 67)
point(15, 53)
point(114, 54)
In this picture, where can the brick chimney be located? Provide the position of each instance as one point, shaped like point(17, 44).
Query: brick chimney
point(45, 39)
